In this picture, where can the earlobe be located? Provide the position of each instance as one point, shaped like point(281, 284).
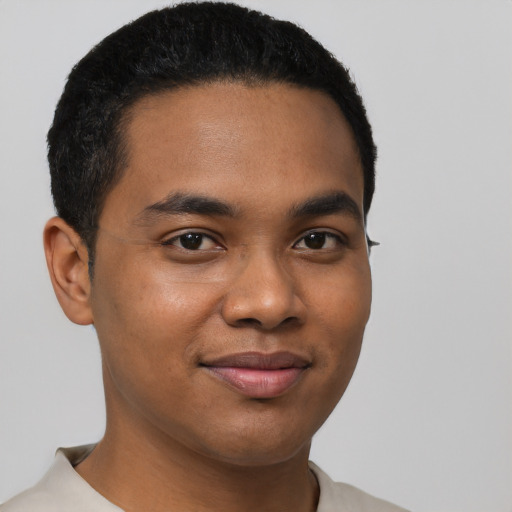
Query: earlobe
point(67, 259)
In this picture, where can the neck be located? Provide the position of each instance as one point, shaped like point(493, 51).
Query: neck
point(143, 469)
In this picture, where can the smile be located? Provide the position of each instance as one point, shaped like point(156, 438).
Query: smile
point(259, 375)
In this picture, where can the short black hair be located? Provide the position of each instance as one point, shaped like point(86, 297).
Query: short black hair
point(185, 45)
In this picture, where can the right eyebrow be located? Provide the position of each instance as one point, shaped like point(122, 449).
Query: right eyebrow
point(337, 202)
point(179, 203)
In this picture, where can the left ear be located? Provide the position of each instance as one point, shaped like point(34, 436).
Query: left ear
point(68, 264)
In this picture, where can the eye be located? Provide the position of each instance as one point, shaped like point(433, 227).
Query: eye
point(192, 241)
point(316, 240)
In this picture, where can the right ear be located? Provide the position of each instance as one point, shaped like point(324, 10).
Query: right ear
point(68, 264)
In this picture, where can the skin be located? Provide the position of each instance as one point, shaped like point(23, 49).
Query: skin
point(178, 437)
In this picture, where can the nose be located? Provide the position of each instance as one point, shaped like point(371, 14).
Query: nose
point(264, 295)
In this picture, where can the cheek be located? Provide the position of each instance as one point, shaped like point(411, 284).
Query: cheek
point(144, 317)
point(341, 299)
point(146, 325)
point(341, 311)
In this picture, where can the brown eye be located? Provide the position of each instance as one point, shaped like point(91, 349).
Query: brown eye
point(317, 240)
point(192, 241)
point(314, 240)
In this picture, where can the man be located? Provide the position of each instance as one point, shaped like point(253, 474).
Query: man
point(212, 169)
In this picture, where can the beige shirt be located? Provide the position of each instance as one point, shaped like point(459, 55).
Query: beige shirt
point(62, 489)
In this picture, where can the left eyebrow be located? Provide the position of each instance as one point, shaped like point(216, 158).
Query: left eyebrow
point(327, 204)
point(181, 203)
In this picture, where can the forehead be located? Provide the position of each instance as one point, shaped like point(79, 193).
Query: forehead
point(223, 138)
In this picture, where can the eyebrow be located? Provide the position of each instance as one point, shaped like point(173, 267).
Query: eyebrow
point(327, 204)
point(181, 204)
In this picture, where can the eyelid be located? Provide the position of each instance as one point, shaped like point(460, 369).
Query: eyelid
point(340, 238)
point(169, 240)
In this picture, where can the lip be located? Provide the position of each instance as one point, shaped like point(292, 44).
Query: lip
point(259, 375)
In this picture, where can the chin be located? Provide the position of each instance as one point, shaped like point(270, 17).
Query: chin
point(259, 444)
point(264, 456)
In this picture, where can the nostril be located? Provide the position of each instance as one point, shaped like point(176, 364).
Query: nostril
point(254, 322)
point(249, 322)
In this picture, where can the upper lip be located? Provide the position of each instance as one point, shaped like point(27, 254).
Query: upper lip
point(259, 361)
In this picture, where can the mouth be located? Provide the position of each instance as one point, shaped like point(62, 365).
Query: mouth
point(258, 375)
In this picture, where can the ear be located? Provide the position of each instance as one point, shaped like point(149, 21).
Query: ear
point(68, 264)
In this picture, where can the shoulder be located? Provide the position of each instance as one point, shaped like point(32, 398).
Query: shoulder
point(39, 498)
point(34, 499)
point(337, 497)
point(61, 489)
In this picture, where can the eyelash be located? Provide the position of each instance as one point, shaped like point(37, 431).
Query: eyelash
point(340, 241)
point(170, 241)
point(325, 237)
point(371, 243)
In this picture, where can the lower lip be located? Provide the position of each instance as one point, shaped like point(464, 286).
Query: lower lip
point(258, 383)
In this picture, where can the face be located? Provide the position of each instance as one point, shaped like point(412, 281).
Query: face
point(232, 286)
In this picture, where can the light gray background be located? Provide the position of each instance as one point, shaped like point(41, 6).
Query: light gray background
point(426, 421)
